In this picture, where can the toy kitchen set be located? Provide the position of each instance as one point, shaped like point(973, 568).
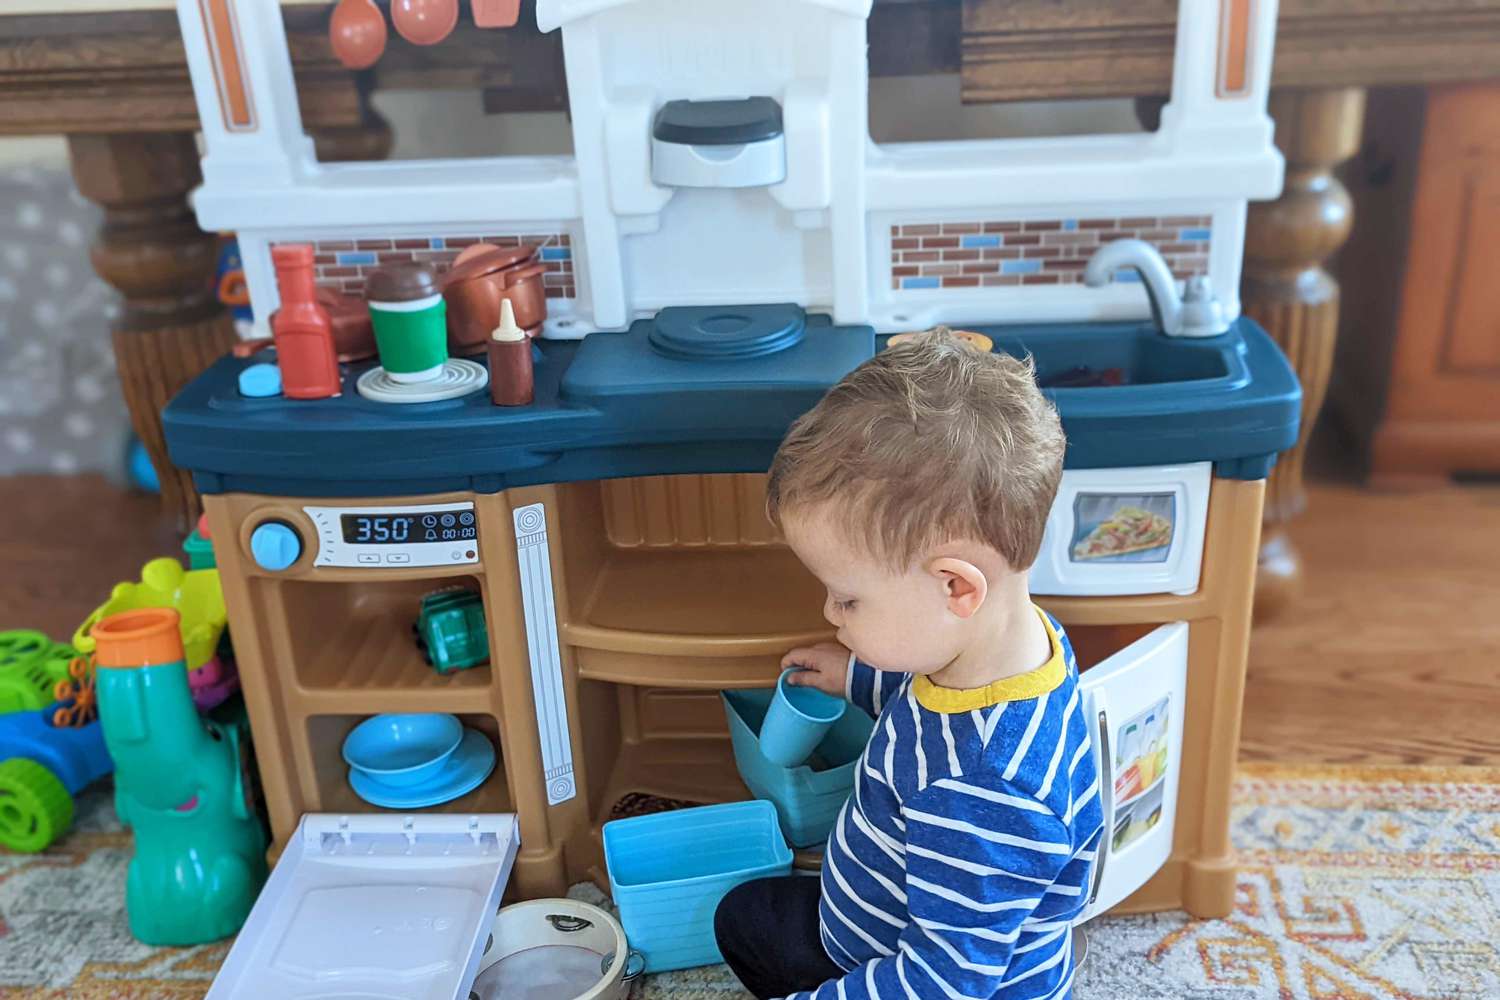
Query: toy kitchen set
point(725, 243)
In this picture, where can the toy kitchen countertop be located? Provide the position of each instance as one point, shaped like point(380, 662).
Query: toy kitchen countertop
point(651, 401)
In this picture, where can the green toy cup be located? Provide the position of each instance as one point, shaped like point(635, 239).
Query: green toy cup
point(410, 320)
point(412, 337)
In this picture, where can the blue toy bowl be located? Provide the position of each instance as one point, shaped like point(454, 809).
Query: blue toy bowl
point(797, 721)
point(403, 750)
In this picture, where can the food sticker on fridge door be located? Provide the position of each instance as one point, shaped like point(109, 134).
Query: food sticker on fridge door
point(1140, 772)
point(1122, 527)
point(1137, 819)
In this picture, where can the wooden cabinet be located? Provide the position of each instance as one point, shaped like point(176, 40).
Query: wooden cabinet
point(1440, 410)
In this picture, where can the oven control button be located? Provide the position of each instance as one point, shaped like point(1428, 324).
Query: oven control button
point(369, 557)
point(398, 557)
point(275, 546)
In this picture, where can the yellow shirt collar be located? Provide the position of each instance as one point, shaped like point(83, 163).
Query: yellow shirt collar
point(1032, 684)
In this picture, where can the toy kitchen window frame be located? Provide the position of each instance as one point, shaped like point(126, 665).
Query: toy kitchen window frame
point(1211, 154)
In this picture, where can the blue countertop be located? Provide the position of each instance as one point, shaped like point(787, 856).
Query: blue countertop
point(615, 405)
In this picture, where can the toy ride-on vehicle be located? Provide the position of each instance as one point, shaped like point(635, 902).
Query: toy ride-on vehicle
point(42, 766)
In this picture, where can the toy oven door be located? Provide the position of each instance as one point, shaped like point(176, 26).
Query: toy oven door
point(1135, 701)
point(1125, 531)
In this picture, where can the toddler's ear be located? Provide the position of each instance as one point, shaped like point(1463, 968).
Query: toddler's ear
point(964, 585)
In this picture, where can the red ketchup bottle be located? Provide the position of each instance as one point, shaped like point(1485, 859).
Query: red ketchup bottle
point(304, 333)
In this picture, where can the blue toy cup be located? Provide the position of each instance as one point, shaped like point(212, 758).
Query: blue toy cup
point(797, 721)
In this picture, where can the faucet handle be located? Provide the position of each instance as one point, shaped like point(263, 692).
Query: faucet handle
point(1202, 313)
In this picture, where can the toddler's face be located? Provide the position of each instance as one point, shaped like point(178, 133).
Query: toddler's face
point(892, 620)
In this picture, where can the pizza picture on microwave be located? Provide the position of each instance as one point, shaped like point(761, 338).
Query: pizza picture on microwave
point(1130, 529)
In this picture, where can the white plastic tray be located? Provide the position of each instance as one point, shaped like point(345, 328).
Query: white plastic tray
point(374, 906)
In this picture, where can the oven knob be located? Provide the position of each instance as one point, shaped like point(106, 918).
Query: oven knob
point(275, 545)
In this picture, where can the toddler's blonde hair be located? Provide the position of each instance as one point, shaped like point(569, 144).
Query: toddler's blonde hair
point(928, 442)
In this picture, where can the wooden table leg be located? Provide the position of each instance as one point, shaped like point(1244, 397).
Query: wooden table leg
point(150, 248)
point(1288, 292)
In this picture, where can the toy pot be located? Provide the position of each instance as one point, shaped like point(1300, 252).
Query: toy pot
point(180, 786)
point(592, 959)
point(527, 292)
point(353, 332)
point(796, 722)
point(473, 288)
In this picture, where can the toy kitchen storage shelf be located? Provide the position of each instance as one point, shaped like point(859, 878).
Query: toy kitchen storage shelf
point(626, 572)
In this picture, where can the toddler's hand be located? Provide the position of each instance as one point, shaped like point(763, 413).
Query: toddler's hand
point(824, 667)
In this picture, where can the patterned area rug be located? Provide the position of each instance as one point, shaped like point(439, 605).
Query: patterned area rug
point(1356, 884)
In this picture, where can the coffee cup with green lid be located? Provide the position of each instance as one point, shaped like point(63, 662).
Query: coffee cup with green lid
point(410, 320)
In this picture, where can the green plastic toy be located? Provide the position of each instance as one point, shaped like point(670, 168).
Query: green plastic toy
point(199, 547)
point(181, 784)
point(30, 667)
point(195, 594)
point(451, 631)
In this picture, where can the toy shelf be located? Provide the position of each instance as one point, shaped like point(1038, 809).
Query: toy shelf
point(352, 645)
point(679, 581)
point(325, 740)
point(700, 602)
point(692, 769)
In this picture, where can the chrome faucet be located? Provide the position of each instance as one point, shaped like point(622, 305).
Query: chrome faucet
point(1198, 313)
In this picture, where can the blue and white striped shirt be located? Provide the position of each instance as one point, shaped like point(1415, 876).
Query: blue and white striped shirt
point(957, 867)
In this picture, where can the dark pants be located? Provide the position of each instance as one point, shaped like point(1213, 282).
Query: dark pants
point(768, 932)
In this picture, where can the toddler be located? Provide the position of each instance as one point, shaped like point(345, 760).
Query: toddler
point(917, 491)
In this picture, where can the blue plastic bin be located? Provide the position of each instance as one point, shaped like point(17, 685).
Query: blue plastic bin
point(667, 873)
point(807, 801)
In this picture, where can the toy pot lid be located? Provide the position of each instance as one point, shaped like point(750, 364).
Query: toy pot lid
point(516, 275)
point(483, 259)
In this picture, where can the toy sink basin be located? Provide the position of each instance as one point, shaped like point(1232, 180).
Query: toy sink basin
point(1142, 355)
point(1231, 399)
point(195, 594)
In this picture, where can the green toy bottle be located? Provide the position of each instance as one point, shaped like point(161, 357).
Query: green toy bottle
point(199, 847)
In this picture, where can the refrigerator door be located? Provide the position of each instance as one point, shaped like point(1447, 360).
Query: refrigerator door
point(1135, 702)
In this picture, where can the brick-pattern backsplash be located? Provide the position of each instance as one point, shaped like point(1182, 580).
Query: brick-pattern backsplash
point(345, 264)
point(1036, 251)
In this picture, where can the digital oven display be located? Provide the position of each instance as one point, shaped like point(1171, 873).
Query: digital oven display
point(405, 529)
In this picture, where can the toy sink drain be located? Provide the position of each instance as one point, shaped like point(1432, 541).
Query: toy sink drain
point(374, 906)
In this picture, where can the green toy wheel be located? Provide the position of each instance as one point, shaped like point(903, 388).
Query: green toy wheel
point(35, 808)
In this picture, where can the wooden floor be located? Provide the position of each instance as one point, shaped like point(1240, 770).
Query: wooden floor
point(1392, 656)
point(65, 541)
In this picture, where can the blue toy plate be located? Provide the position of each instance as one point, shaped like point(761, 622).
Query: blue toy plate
point(465, 771)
